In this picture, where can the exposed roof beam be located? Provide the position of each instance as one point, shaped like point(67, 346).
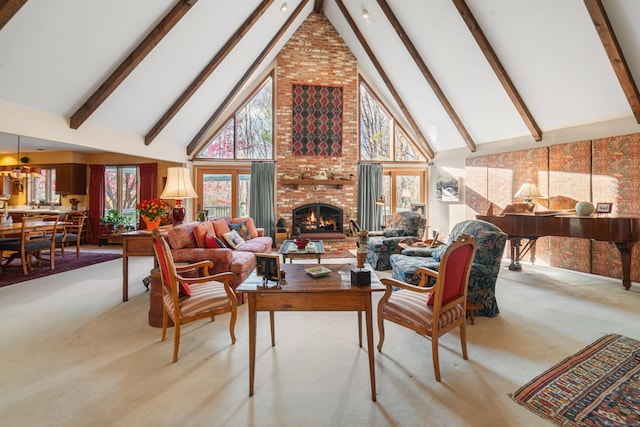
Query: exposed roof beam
point(8, 8)
point(130, 63)
point(611, 46)
point(200, 136)
point(317, 8)
point(207, 71)
point(425, 144)
point(495, 63)
point(427, 74)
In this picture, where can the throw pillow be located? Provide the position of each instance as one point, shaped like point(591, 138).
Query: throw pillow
point(220, 226)
point(242, 229)
point(233, 239)
point(211, 241)
point(184, 289)
point(200, 230)
point(253, 231)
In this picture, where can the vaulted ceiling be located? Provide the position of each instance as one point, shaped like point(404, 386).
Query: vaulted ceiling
point(146, 77)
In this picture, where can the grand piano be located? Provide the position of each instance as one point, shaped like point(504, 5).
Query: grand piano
point(624, 232)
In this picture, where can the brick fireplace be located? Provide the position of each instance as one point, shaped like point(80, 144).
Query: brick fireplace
point(316, 55)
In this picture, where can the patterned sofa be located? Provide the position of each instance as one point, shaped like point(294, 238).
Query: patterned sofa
point(484, 270)
point(401, 226)
point(185, 248)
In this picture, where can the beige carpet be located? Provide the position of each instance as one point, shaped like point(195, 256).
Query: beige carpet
point(73, 354)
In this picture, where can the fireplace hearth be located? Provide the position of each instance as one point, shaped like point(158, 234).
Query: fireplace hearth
point(317, 218)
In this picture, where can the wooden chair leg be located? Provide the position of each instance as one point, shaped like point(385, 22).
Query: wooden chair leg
point(176, 340)
point(273, 329)
point(471, 308)
point(436, 359)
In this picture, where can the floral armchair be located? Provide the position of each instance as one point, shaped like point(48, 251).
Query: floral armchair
point(484, 269)
point(401, 226)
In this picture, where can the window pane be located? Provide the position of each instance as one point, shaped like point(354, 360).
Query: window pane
point(243, 194)
point(374, 128)
point(129, 189)
point(110, 188)
point(407, 192)
point(216, 189)
point(222, 145)
point(404, 150)
point(254, 126)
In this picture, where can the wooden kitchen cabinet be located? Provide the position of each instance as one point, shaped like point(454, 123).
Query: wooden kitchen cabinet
point(71, 178)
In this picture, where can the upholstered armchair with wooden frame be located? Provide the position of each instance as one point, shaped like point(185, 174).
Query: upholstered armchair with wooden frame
point(187, 299)
point(432, 311)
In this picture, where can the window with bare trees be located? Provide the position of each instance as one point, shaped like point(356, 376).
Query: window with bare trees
point(121, 190)
point(248, 134)
point(381, 137)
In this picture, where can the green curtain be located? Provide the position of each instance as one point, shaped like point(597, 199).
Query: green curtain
point(369, 190)
point(261, 193)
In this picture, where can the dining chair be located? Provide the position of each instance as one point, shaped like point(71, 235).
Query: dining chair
point(71, 231)
point(187, 299)
point(37, 235)
point(432, 309)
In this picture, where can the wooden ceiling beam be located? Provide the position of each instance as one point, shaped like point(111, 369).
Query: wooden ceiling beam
point(8, 8)
point(130, 63)
point(200, 136)
point(414, 126)
point(614, 52)
point(318, 7)
point(498, 69)
point(417, 58)
point(207, 71)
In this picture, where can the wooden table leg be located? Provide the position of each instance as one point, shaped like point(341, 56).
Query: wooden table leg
point(360, 328)
point(273, 329)
point(252, 340)
point(125, 278)
point(369, 320)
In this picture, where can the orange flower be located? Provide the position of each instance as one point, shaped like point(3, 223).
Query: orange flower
point(152, 209)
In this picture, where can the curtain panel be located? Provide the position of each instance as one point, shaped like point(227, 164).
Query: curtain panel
point(262, 201)
point(369, 190)
point(96, 200)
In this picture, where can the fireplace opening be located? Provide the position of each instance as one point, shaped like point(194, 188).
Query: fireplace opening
point(318, 218)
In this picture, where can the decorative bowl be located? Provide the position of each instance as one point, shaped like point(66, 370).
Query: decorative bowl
point(301, 243)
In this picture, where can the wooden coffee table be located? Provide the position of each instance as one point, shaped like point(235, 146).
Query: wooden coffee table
point(291, 251)
point(301, 292)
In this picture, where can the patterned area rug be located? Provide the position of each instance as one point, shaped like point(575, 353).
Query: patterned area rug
point(598, 386)
point(13, 273)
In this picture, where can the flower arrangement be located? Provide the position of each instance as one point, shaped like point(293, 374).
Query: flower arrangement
point(152, 209)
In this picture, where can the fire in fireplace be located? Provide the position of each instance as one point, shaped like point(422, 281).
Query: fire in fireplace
point(318, 218)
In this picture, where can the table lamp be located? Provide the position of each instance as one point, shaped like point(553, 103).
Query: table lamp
point(178, 187)
point(528, 191)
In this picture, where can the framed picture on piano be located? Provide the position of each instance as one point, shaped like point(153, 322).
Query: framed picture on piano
point(603, 208)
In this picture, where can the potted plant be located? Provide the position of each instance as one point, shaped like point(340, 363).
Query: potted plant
point(110, 222)
point(151, 212)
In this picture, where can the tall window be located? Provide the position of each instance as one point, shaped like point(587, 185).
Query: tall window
point(224, 192)
point(121, 190)
point(402, 188)
point(42, 189)
point(249, 133)
point(381, 138)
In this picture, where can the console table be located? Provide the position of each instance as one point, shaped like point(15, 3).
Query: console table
point(134, 243)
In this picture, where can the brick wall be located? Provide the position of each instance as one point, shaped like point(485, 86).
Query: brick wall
point(316, 55)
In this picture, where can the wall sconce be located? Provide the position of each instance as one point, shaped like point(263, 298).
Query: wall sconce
point(178, 187)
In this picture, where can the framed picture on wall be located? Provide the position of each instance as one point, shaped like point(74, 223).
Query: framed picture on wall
point(448, 189)
point(604, 208)
point(419, 208)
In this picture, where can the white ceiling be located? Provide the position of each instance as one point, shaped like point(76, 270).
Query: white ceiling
point(55, 54)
